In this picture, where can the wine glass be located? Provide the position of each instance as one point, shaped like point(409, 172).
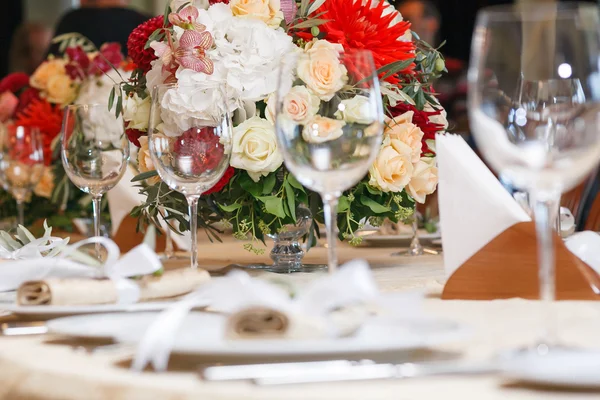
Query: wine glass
point(330, 139)
point(534, 108)
point(190, 148)
point(415, 248)
point(94, 152)
point(21, 163)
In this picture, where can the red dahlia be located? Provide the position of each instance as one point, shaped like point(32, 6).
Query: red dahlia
point(14, 82)
point(358, 26)
point(47, 118)
point(211, 2)
point(134, 136)
point(138, 39)
point(201, 148)
point(222, 182)
point(421, 119)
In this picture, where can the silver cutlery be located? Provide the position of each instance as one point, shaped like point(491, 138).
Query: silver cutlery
point(23, 328)
point(340, 370)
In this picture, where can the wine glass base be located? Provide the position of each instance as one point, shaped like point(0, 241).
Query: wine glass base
point(536, 350)
point(287, 269)
point(412, 253)
point(175, 256)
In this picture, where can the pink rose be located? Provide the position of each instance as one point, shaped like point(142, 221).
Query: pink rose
point(8, 105)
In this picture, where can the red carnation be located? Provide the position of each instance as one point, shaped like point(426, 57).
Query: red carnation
point(229, 172)
point(78, 64)
point(201, 147)
point(421, 119)
point(109, 56)
point(14, 82)
point(137, 42)
point(134, 136)
point(27, 96)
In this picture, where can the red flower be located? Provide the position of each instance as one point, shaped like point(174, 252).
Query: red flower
point(358, 26)
point(79, 62)
point(47, 118)
point(26, 97)
point(421, 119)
point(201, 147)
point(14, 82)
point(229, 172)
point(110, 55)
point(211, 2)
point(134, 136)
point(137, 42)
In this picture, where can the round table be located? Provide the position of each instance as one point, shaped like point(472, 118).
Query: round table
point(52, 367)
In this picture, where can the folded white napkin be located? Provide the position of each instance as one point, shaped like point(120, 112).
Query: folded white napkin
point(586, 246)
point(141, 260)
point(474, 206)
point(353, 284)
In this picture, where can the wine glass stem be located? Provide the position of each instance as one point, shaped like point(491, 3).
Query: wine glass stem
point(330, 203)
point(415, 245)
point(20, 212)
point(193, 207)
point(169, 251)
point(96, 200)
point(545, 211)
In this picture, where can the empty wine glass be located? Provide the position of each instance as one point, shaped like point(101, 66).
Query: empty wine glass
point(534, 105)
point(21, 163)
point(329, 132)
point(415, 248)
point(190, 149)
point(95, 151)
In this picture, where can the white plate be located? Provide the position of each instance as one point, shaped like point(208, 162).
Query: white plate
point(564, 369)
point(399, 240)
point(203, 334)
point(53, 311)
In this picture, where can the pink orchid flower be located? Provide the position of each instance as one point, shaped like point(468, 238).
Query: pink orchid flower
point(191, 52)
point(186, 19)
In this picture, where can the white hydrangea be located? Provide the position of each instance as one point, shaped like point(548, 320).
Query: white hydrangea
point(96, 89)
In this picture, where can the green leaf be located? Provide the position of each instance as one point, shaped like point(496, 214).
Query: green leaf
point(166, 13)
point(250, 186)
point(343, 204)
point(231, 207)
point(269, 183)
point(144, 175)
point(395, 67)
point(373, 191)
point(291, 199)
point(373, 205)
point(310, 23)
point(119, 108)
point(315, 6)
point(294, 182)
point(111, 98)
point(304, 7)
point(273, 205)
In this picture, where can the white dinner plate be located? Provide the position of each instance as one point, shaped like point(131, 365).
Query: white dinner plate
point(54, 311)
point(402, 239)
point(575, 369)
point(203, 334)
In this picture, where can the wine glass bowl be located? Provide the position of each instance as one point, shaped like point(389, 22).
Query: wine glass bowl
point(94, 152)
point(534, 108)
point(329, 126)
point(190, 152)
point(21, 163)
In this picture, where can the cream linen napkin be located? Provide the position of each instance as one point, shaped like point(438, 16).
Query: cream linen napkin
point(82, 291)
point(124, 197)
point(474, 206)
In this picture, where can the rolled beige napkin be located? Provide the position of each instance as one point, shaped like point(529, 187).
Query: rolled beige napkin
point(82, 291)
point(258, 322)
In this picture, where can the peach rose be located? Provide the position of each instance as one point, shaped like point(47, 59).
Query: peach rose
point(45, 186)
point(392, 169)
point(144, 160)
point(300, 104)
point(402, 128)
point(424, 179)
point(321, 70)
point(50, 68)
point(8, 105)
point(322, 129)
point(60, 89)
point(268, 11)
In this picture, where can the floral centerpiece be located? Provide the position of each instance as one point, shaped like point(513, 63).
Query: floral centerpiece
point(81, 75)
point(240, 45)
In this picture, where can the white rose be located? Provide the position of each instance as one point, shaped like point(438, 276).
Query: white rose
point(402, 128)
point(321, 70)
point(437, 119)
point(255, 148)
point(323, 129)
point(424, 179)
point(357, 109)
point(392, 169)
point(136, 112)
point(300, 105)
